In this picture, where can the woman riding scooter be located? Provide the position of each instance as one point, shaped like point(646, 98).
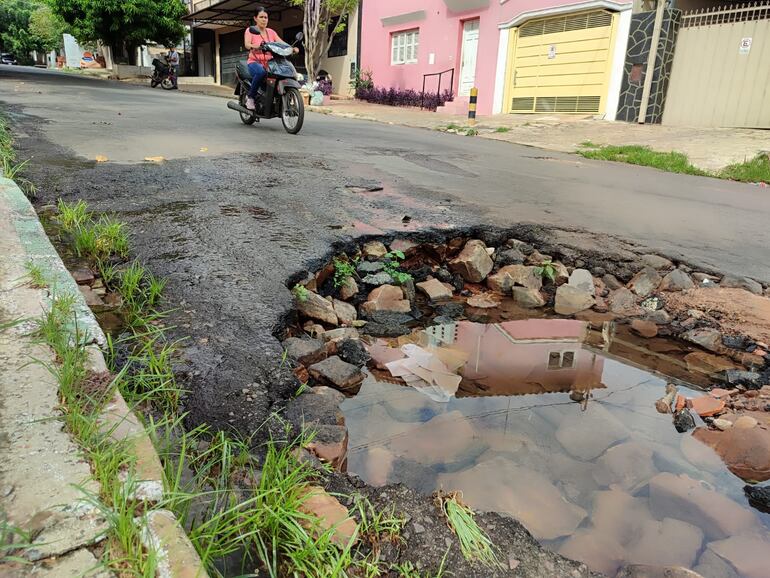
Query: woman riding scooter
point(258, 59)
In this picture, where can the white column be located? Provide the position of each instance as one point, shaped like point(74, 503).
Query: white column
point(618, 65)
point(502, 64)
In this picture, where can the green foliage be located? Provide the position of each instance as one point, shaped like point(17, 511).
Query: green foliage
point(756, 170)
point(342, 270)
point(474, 543)
point(123, 22)
point(392, 267)
point(300, 292)
point(546, 270)
point(672, 162)
point(362, 79)
point(502, 129)
point(47, 29)
point(35, 274)
point(95, 239)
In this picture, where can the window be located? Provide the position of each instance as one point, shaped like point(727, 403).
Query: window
point(561, 360)
point(403, 47)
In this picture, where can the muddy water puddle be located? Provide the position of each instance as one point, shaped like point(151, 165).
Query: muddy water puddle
point(538, 419)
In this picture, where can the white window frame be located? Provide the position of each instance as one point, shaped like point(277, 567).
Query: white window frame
point(404, 46)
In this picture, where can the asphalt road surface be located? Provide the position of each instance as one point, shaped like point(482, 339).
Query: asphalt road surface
point(236, 210)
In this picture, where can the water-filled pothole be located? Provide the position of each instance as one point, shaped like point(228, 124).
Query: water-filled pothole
point(539, 419)
point(612, 401)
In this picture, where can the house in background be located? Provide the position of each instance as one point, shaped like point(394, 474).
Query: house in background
point(522, 55)
point(217, 38)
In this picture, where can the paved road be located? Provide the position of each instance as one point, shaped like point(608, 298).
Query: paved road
point(710, 221)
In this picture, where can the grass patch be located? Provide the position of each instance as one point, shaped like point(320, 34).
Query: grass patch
point(35, 275)
point(756, 170)
point(474, 543)
point(503, 129)
point(672, 162)
point(96, 239)
point(11, 167)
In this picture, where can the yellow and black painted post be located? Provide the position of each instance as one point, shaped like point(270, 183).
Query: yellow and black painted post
point(472, 106)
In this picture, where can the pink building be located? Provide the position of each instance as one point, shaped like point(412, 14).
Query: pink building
point(522, 55)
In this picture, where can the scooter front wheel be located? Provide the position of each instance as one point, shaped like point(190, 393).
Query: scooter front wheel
point(293, 113)
point(167, 83)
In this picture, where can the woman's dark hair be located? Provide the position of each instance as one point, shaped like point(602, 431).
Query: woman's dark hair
point(259, 10)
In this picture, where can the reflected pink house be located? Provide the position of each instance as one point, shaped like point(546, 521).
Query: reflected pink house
point(470, 41)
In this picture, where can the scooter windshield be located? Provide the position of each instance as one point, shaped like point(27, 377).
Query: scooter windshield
point(279, 48)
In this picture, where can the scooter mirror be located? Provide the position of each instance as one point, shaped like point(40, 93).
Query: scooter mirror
point(300, 35)
point(253, 29)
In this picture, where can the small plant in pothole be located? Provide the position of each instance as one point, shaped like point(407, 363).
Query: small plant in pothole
point(474, 543)
point(392, 267)
point(300, 293)
point(342, 271)
point(546, 270)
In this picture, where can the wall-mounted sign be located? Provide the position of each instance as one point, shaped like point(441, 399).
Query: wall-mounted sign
point(552, 51)
point(745, 46)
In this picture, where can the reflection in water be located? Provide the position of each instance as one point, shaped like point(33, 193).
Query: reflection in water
point(489, 410)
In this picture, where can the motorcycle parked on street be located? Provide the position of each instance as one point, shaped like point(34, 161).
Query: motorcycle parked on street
point(162, 74)
point(280, 96)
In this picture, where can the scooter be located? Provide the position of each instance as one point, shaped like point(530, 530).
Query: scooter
point(280, 96)
point(162, 74)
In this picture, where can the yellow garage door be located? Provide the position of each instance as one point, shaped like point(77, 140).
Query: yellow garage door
point(560, 64)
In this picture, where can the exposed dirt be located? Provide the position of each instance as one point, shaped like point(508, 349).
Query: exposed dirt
point(738, 311)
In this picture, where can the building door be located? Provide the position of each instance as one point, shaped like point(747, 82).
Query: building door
point(204, 60)
point(468, 58)
point(561, 64)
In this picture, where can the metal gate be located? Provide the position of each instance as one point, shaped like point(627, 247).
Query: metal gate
point(561, 64)
point(721, 70)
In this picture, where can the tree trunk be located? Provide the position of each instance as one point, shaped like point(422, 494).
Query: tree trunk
point(317, 20)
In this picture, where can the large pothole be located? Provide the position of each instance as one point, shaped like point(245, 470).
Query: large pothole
point(534, 380)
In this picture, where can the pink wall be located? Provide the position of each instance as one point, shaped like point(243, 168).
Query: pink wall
point(441, 34)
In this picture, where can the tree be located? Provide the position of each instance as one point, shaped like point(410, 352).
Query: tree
point(318, 30)
point(123, 23)
point(46, 28)
point(14, 22)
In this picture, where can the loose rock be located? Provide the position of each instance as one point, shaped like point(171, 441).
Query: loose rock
point(370, 267)
point(386, 298)
point(507, 277)
point(473, 263)
point(527, 298)
point(645, 282)
point(571, 300)
point(378, 279)
point(342, 375)
point(374, 250)
point(509, 257)
point(484, 301)
point(656, 261)
point(353, 351)
point(733, 281)
point(677, 280)
point(759, 497)
point(435, 290)
point(708, 338)
point(623, 302)
point(316, 307)
point(346, 313)
point(646, 329)
point(683, 420)
point(349, 288)
point(583, 280)
point(305, 351)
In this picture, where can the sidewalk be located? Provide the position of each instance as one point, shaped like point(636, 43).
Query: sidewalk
point(708, 148)
point(42, 473)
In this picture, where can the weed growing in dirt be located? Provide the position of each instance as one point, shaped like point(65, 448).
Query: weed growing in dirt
point(11, 168)
point(474, 543)
point(94, 239)
point(35, 274)
point(342, 270)
point(756, 170)
point(13, 541)
point(392, 267)
point(408, 570)
point(82, 397)
point(546, 270)
point(377, 527)
point(502, 129)
point(672, 162)
point(300, 293)
point(471, 132)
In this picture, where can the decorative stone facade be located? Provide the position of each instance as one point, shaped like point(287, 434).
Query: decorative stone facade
point(637, 53)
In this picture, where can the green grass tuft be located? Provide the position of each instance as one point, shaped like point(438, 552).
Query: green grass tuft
point(474, 543)
point(36, 275)
point(672, 162)
point(756, 170)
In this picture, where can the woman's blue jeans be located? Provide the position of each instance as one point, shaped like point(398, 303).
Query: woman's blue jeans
point(258, 74)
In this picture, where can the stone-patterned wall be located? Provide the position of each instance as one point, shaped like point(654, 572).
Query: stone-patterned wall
point(639, 41)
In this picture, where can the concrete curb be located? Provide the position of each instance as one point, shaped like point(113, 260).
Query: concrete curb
point(174, 549)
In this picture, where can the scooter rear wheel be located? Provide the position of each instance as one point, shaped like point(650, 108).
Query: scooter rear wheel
point(153, 83)
point(246, 118)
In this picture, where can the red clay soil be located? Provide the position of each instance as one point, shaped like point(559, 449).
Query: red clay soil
point(739, 311)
